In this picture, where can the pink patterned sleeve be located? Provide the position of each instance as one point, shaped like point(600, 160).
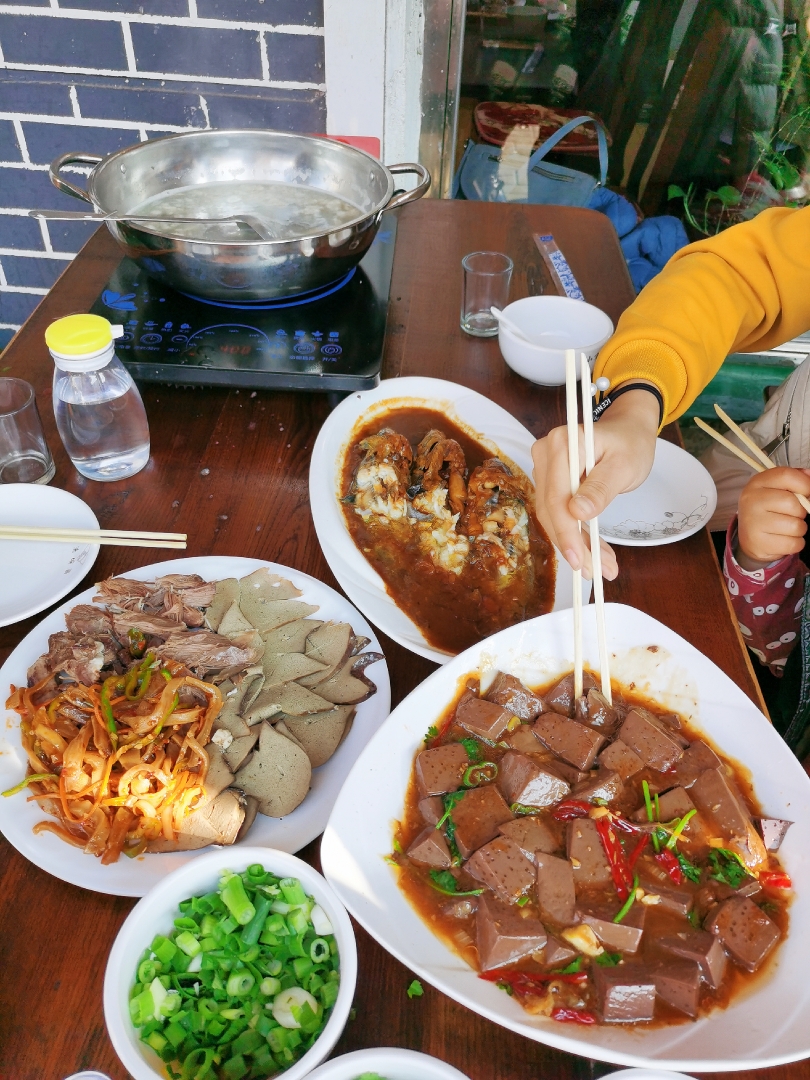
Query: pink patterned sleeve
point(767, 603)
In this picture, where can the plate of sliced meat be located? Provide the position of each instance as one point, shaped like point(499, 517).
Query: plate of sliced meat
point(189, 703)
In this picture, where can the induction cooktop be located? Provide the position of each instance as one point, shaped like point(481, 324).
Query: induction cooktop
point(328, 340)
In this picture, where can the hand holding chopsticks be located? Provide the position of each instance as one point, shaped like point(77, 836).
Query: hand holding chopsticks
point(108, 537)
point(596, 557)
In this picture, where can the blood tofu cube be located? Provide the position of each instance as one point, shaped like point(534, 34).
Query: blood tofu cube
point(672, 804)
point(623, 937)
point(430, 849)
point(624, 994)
point(483, 718)
point(606, 785)
point(678, 901)
point(697, 758)
point(431, 808)
point(655, 747)
point(620, 759)
point(476, 818)
point(523, 781)
point(502, 935)
point(718, 797)
point(439, 771)
point(531, 835)
point(503, 867)
point(677, 982)
point(573, 742)
point(524, 740)
point(744, 931)
point(584, 849)
point(510, 692)
point(703, 948)
point(555, 889)
point(560, 698)
point(558, 952)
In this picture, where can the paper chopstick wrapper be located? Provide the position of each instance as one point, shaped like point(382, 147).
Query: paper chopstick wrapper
point(557, 265)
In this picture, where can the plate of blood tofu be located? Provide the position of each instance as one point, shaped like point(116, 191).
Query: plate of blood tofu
point(622, 879)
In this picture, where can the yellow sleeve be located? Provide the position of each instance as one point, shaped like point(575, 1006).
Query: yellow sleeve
point(746, 289)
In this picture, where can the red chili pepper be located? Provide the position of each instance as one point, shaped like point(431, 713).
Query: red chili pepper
point(570, 809)
point(624, 825)
point(525, 982)
point(774, 879)
point(437, 738)
point(635, 854)
point(619, 868)
point(572, 1016)
point(670, 863)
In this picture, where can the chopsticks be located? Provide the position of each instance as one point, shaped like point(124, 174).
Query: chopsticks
point(107, 537)
point(596, 554)
point(759, 463)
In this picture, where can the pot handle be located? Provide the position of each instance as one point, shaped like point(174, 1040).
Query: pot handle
point(415, 193)
point(65, 185)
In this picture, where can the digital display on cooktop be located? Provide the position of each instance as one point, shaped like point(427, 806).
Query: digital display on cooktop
point(331, 340)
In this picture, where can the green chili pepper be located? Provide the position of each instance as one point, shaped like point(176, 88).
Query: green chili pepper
point(167, 714)
point(477, 774)
point(107, 710)
point(138, 679)
point(137, 642)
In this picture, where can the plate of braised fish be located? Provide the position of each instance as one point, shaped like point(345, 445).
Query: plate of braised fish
point(423, 505)
point(624, 881)
point(197, 702)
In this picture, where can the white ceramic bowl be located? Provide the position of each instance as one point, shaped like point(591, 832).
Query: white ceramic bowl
point(766, 1025)
point(388, 1062)
point(552, 324)
point(155, 913)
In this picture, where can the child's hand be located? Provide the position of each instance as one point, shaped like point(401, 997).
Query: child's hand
point(770, 520)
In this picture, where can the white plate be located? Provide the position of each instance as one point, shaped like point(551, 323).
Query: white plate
point(134, 877)
point(37, 574)
point(676, 499)
point(766, 1026)
point(491, 425)
point(389, 1062)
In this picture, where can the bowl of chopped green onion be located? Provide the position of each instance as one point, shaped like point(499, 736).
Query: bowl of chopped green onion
point(240, 964)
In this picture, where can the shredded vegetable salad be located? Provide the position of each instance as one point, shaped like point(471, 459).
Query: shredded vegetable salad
point(118, 763)
point(244, 984)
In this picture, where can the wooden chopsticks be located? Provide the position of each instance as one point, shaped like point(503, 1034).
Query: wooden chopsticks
point(759, 463)
point(596, 554)
point(108, 537)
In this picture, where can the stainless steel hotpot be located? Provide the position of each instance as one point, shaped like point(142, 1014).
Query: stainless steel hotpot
point(240, 270)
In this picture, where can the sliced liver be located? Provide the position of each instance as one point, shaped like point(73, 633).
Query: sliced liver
point(502, 935)
point(483, 718)
point(555, 889)
point(531, 835)
point(606, 785)
point(678, 983)
point(573, 742)
point(584, 849)
point(744, 931)
point(502, 867)
point(523, 781)
point(703, 948)
point(697, 758)
point(558, 953)
point(431, 808)
point(439, 771)
point(717, 796)
point(510, 692)
point(620, 759)
point(560, 698)
point(477, 817)
point(623, 937)
point(655, 747)
point(430, 849)
point(624, 994)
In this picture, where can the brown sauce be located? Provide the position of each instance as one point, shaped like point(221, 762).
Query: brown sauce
point(452, 611)
point(440, 911)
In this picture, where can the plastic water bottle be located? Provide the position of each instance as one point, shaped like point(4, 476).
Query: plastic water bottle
point(98, 409)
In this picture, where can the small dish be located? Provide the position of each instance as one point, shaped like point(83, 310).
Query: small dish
point(37, 575)
point(389, 1062)
point(552, 324)
point(676, 499)
point(154, 914)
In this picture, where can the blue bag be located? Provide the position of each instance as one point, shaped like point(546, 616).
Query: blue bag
point(479, 174)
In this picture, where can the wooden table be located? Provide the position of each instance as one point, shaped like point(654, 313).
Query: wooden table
point(230, 468)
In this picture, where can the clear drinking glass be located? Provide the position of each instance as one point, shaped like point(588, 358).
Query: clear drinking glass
point(487, 275)
point(24, 454)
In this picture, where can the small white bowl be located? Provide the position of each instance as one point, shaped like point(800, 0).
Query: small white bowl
point(552, 324)
point(388, 1062)
point(155, 914)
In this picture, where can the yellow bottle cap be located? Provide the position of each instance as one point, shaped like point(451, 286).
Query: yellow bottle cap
point(79, 335)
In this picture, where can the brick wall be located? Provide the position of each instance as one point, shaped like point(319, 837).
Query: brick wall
point(96, 75)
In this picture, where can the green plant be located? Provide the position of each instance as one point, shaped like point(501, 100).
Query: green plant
point(727, 196)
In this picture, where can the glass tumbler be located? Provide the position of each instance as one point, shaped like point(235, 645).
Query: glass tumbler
point(24, 454)
point(487, 275)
